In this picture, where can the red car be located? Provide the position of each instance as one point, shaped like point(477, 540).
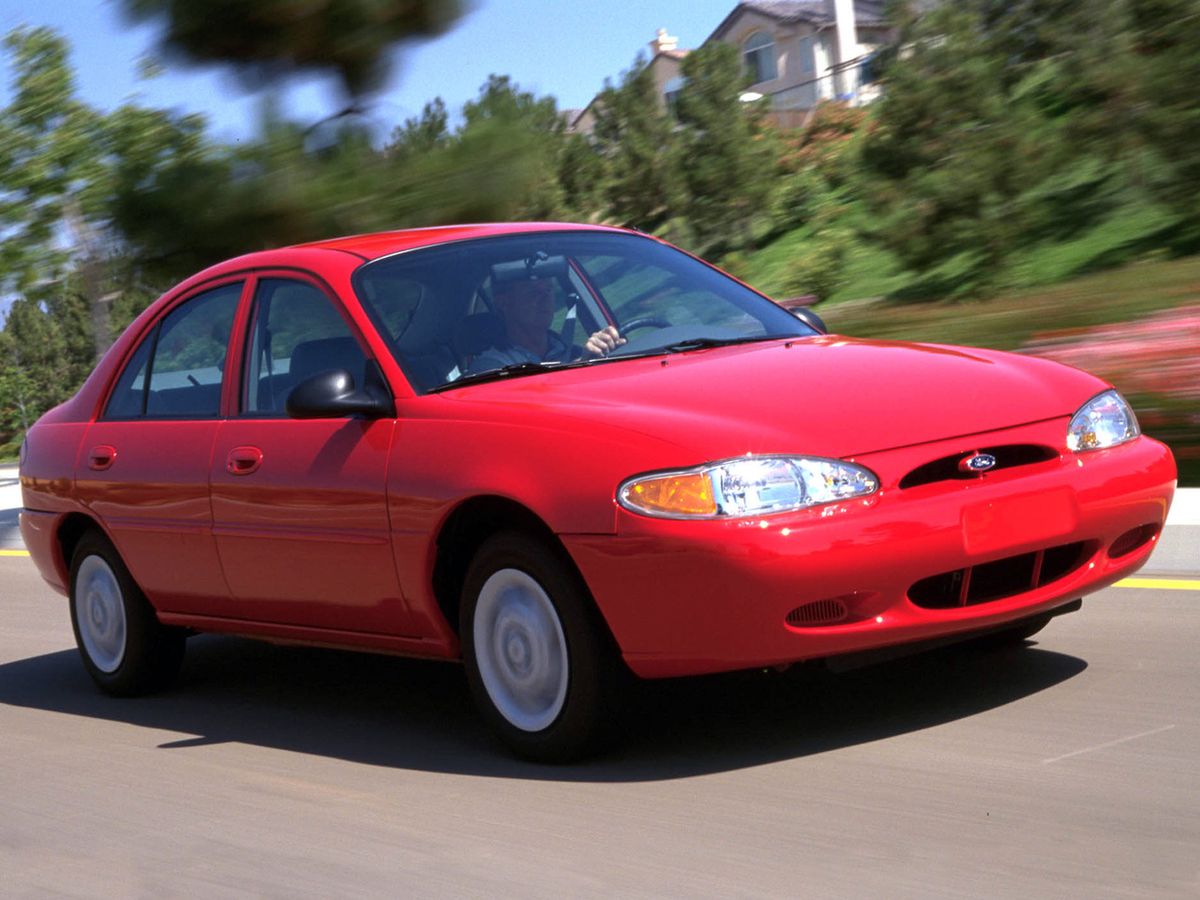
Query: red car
point(562, 453)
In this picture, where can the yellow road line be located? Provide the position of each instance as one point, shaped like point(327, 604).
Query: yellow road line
point(14, 552)
point(1160, 584)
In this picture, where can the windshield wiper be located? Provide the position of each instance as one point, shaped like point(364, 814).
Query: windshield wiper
point(514, 370)
point(703, 343)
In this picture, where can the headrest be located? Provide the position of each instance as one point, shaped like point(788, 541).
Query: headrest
point(476, 333)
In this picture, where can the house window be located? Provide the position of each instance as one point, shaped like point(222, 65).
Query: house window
point(868, 72)
point(808, 63)
point(671, 95)
point(759, 53)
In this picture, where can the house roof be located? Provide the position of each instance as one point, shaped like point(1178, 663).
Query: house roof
point(819, 13)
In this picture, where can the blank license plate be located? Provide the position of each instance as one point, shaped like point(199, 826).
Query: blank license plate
point(1024, 519)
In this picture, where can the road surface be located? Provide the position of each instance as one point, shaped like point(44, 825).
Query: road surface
point(1067, 768)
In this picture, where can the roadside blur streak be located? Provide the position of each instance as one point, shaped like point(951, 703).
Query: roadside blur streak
point(1155, 362)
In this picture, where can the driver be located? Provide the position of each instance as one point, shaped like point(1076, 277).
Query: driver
point(527, 307)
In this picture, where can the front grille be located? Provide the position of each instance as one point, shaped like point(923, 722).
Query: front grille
point(999, 579)
point(1008, 456)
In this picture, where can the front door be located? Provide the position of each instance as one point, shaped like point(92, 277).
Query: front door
point(299, 506)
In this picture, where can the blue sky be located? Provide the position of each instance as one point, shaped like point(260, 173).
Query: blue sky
point(554, 47)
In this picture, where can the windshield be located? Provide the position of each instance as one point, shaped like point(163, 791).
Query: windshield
point(525, 304)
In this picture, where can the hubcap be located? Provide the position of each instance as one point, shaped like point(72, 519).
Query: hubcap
point(521, 650)
point(100, 612)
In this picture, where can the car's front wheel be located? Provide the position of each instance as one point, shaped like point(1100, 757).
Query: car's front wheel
point(538, 661)
point(125, 649)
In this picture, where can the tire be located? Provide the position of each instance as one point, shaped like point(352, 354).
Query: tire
point(540, 662)
point(125, 649)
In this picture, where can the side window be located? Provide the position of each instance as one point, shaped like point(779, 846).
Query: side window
point(178, 369)
point(128, 400)
point(297, 333)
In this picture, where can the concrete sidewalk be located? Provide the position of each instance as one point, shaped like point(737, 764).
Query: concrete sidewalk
point(10, 506)
point(1178, 549)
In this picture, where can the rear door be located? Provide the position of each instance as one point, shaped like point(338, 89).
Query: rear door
point(299, 506)
point(144, 464)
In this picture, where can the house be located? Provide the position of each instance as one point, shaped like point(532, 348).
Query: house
point(665, 57)
point(799, 52)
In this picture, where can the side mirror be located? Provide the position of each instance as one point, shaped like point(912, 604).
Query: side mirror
point(331, 395)
point(810, 318)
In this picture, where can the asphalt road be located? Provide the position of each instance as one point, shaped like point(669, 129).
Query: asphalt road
point(1067, 768)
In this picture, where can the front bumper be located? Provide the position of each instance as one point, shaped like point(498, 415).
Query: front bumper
point(689, 597)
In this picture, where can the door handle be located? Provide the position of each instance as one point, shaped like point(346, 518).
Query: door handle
point(243, 460)
point(101, 457)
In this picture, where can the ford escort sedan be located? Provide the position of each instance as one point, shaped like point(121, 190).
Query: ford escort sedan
point(563, 454)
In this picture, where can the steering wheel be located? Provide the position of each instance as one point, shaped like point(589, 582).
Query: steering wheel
point(644, 322)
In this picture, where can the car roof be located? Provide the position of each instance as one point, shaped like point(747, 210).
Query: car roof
point(362, 248)
point(384, 243)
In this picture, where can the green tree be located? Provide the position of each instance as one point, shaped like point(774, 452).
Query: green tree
point(730, 155)
point(818, 165)
point(18, 396)
point(423, 134)
point(504, 113)
point(1002, 125)
point(50, 177)
point(34, 367)
point(645, 187)
point(285, 188)
point(582, 177)
point(62, 165)
point(268, 40)
point(1166, 43)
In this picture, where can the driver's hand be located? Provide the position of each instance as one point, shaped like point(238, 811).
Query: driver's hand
point(604, 341)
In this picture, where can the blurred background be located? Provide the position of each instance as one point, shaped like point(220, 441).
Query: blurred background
point(1019, 174)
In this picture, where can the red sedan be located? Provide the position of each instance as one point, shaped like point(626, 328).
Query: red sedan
point(563, 453)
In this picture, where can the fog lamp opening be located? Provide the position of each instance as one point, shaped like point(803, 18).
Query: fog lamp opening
point(1133, 539)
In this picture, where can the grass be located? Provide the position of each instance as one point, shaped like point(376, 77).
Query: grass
point(1011, 320)
point(1134, 230)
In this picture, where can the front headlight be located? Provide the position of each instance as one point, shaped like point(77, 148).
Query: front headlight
point(1104, 421)
point(748, 486)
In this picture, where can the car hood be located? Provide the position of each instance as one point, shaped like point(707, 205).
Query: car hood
point(825, 396)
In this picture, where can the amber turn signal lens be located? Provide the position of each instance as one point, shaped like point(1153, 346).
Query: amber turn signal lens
point(683, 494)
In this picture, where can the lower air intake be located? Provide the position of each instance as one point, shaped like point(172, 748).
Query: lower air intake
point(998, 579)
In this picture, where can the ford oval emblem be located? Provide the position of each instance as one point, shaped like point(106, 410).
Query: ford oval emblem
point(978, 462)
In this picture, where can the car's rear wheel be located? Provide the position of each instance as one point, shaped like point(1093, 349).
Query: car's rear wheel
point(538, 661)
point(125, 649)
